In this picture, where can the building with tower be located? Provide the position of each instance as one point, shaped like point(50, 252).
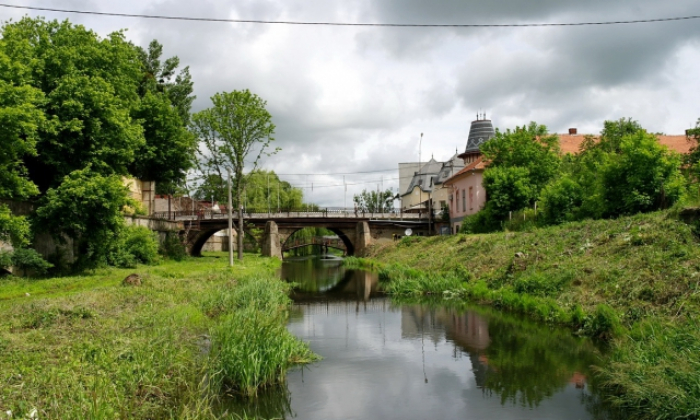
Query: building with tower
point(466, 194)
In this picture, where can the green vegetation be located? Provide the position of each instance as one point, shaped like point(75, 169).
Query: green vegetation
point(374, 201)
point(264, 191)
point(89, 347)
point(632, 281)
point(622, 172)
point(98, 109)
point(236, 126)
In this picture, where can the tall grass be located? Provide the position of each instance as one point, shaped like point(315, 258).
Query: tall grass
point(251, 347)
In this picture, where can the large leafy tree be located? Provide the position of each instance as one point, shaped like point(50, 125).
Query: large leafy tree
point(644, 176)
point(164, 113)
point(90, 86)
point(521, 163)
point(237, 127)
point(86, 206)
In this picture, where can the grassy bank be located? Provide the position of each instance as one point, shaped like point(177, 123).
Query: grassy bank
point(88, 347)
point(634, 281)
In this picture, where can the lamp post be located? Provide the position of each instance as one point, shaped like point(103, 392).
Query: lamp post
point(420, 186)
point(230, 222)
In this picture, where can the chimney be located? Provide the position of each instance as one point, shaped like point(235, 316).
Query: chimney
point(573, 131)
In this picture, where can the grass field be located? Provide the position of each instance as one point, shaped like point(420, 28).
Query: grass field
point(87, 347)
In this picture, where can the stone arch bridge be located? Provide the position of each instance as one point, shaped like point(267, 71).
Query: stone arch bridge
point(357, 231)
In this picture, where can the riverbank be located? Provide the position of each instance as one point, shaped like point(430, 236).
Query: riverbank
point(90, 347)
point(634, 281)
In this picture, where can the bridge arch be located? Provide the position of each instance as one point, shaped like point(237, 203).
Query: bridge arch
point(197, 239)
point(347, 241)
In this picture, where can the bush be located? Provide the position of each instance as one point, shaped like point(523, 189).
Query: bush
point(25, 259)
point(172, 248)
point(561, 201)
point(134, 245)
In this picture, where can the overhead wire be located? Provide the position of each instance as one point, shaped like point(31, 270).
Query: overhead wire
point(362, 24)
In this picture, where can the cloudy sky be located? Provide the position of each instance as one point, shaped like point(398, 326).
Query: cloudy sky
point(354, 100)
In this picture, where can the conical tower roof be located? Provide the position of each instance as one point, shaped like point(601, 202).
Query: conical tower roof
point(480, 131)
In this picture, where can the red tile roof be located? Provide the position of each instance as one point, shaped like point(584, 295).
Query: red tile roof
point(477, 165)
point(571, 143)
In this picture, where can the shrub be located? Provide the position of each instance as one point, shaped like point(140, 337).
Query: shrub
point(172, 247)
point(28, 259)
point(134, 245)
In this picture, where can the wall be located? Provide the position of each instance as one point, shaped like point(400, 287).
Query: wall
point(463, 183)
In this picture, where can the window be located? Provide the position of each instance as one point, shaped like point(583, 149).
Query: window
point(471, 198)
point(464, 201)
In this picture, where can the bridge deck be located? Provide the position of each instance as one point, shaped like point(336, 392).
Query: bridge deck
point(292, 214)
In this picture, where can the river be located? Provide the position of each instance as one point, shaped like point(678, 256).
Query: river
point(384, 359)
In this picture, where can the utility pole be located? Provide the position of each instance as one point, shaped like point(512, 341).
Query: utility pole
point(230, 222)
point(268, 193)
point(420, 187)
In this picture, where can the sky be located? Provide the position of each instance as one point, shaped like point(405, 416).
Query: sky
point(350, 103)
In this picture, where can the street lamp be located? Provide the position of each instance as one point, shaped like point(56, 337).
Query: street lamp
point(420, 186)
point(230, 221)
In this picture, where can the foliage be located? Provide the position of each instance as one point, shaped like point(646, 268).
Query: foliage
point(158, 78)
point(251, 347)
point(528, 147)
point(280, 195)
point(374, 201)
point(508, 190)
point(561, 201)
point(90, 89)
point(20, 120)
point(521, 163)
point(172, 248)
point(14, 229)
point(693, 158)
point(134, 245)
point(237, 126)
point(169, 148)
point(644, 176)
point(27, 259)
point(87, 207)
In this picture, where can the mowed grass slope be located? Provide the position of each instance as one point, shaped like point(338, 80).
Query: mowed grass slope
point(634, 280)
point(88, 347)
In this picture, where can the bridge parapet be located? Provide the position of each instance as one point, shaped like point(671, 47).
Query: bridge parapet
point(326, 213)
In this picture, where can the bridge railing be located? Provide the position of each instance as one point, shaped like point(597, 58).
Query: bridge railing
point(327, 212)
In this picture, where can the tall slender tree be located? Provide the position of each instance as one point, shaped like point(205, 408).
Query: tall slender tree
point(235, 128)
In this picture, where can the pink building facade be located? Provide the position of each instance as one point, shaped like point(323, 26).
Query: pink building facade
point(467, 195)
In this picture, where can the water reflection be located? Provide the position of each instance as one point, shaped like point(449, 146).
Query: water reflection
point(391, 360)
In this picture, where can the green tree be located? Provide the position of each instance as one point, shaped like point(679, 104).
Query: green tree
point(90, 88)
point(521, 163)
point(164, 113)
point(87, 206)
point(644, 176)
point(237, 126)
point(693, 158)
point(168, 152)
point(374, 201)
point(160, 77)
point(508, 189)
point(259, 186)
point(265, 190)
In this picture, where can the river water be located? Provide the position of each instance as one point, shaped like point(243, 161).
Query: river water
point(422, 360)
